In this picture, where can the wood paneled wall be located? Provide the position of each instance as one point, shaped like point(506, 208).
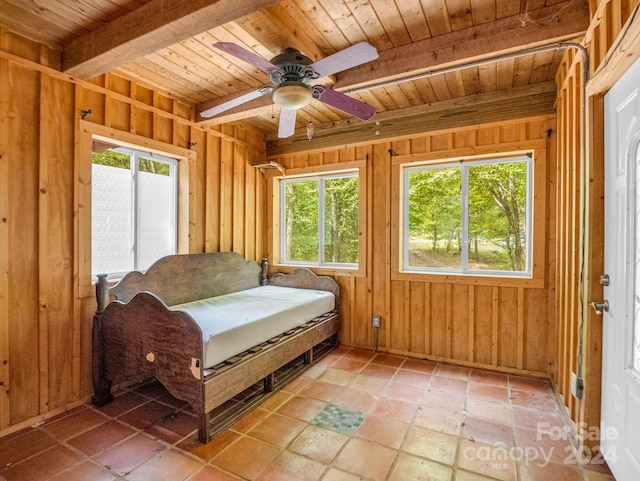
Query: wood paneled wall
point(612, 42)
point(503, 324)
point(45, 315)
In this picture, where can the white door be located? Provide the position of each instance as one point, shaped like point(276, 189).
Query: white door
point(620, 436)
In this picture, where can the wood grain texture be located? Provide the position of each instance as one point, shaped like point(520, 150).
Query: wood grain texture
point(305, 279)
point(47, 300)
point(482, 322)
point(189, 277)
point(137, 336)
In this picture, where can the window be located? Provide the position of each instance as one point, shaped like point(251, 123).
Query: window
point(471, 217)
point(320, 220)
point(133, 208)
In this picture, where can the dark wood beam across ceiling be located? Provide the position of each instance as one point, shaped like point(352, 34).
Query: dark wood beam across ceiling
point(153, 26)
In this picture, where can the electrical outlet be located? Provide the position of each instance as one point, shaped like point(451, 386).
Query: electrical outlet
point(577, 386)
point(375, 320)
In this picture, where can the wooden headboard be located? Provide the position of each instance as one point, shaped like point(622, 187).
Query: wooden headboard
point(189, 277)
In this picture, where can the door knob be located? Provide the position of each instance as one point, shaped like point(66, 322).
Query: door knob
point(600, 306)
point(604, 279)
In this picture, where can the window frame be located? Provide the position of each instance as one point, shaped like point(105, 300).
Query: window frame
point(464, 165)
point(322, 180)
point(275, 214)
point(86, 133)
point(539, 222)
point(135, 154)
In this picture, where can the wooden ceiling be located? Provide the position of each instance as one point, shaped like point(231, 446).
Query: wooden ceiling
point(166, 44)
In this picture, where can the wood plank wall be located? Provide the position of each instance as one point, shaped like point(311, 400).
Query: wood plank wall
point(45, 319)
point(501, 325)
point(611, 41)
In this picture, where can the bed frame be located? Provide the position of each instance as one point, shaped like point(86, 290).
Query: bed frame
point(136, 336)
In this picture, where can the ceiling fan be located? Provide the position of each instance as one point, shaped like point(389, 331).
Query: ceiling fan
point(291, 73)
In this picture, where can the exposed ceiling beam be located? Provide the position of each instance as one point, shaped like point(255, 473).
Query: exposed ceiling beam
point(514, 103)
point(543, 26)
point(559, 22)
point(153, 26)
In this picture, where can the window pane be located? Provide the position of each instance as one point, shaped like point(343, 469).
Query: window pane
point(341, 228)
point(497, 210)
point(155, 215)
point(301, 221)
point(434, 217)
point(111, 209)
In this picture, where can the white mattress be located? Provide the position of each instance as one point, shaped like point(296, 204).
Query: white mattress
point(233, 323)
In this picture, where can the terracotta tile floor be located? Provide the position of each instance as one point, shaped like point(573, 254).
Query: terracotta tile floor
point(356, 415)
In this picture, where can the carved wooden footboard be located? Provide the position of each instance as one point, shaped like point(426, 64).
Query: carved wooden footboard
point(136, 335)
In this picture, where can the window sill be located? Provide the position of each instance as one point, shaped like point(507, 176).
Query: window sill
point(320, 270)
point(469, 279)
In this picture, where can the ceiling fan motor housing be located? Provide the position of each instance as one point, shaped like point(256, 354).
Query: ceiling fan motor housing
point(293, 67)
point(292, 88)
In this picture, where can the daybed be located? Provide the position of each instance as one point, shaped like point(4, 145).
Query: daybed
point(208, 326)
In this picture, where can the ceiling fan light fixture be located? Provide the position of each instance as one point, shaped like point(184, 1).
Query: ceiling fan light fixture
point(292, 95)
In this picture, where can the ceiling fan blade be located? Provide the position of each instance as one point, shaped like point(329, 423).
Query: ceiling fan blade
point(235, 102)
point(349, 57)
point(287, 123)
point(249, 57)
point(343, 102)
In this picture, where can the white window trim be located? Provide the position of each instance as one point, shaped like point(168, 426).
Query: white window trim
point(321, 211)
point(86, 133)
point(135, 155)
point(273, 215)
point(464, 164)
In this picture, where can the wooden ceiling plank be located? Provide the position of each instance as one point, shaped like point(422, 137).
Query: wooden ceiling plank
point(277, 30)
point(440, 87)
point(455, 83)
point(472, 85)
point(505, 71)
point(346, 22)
point(483, 11)
point(320, 113)
point(127, 4)
point(437, 16)
point(232, 32)
point(414, 19)
point(224, 77)
point(488, 77)
point(169, 61)
point(426, 90)
point(313, 18)
point(483, 41)
point(460, 14)
point(33, 25)
point(383, 98)
point(507, 8)
point(411, 92)
point(154, 25)
point(392, 21)
point(398, 96)
point(205, 78)
point(235, 34)
point(90, 15)
point(370, 97)
point(174, 86)
point(522, 71)
point(541, 68)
